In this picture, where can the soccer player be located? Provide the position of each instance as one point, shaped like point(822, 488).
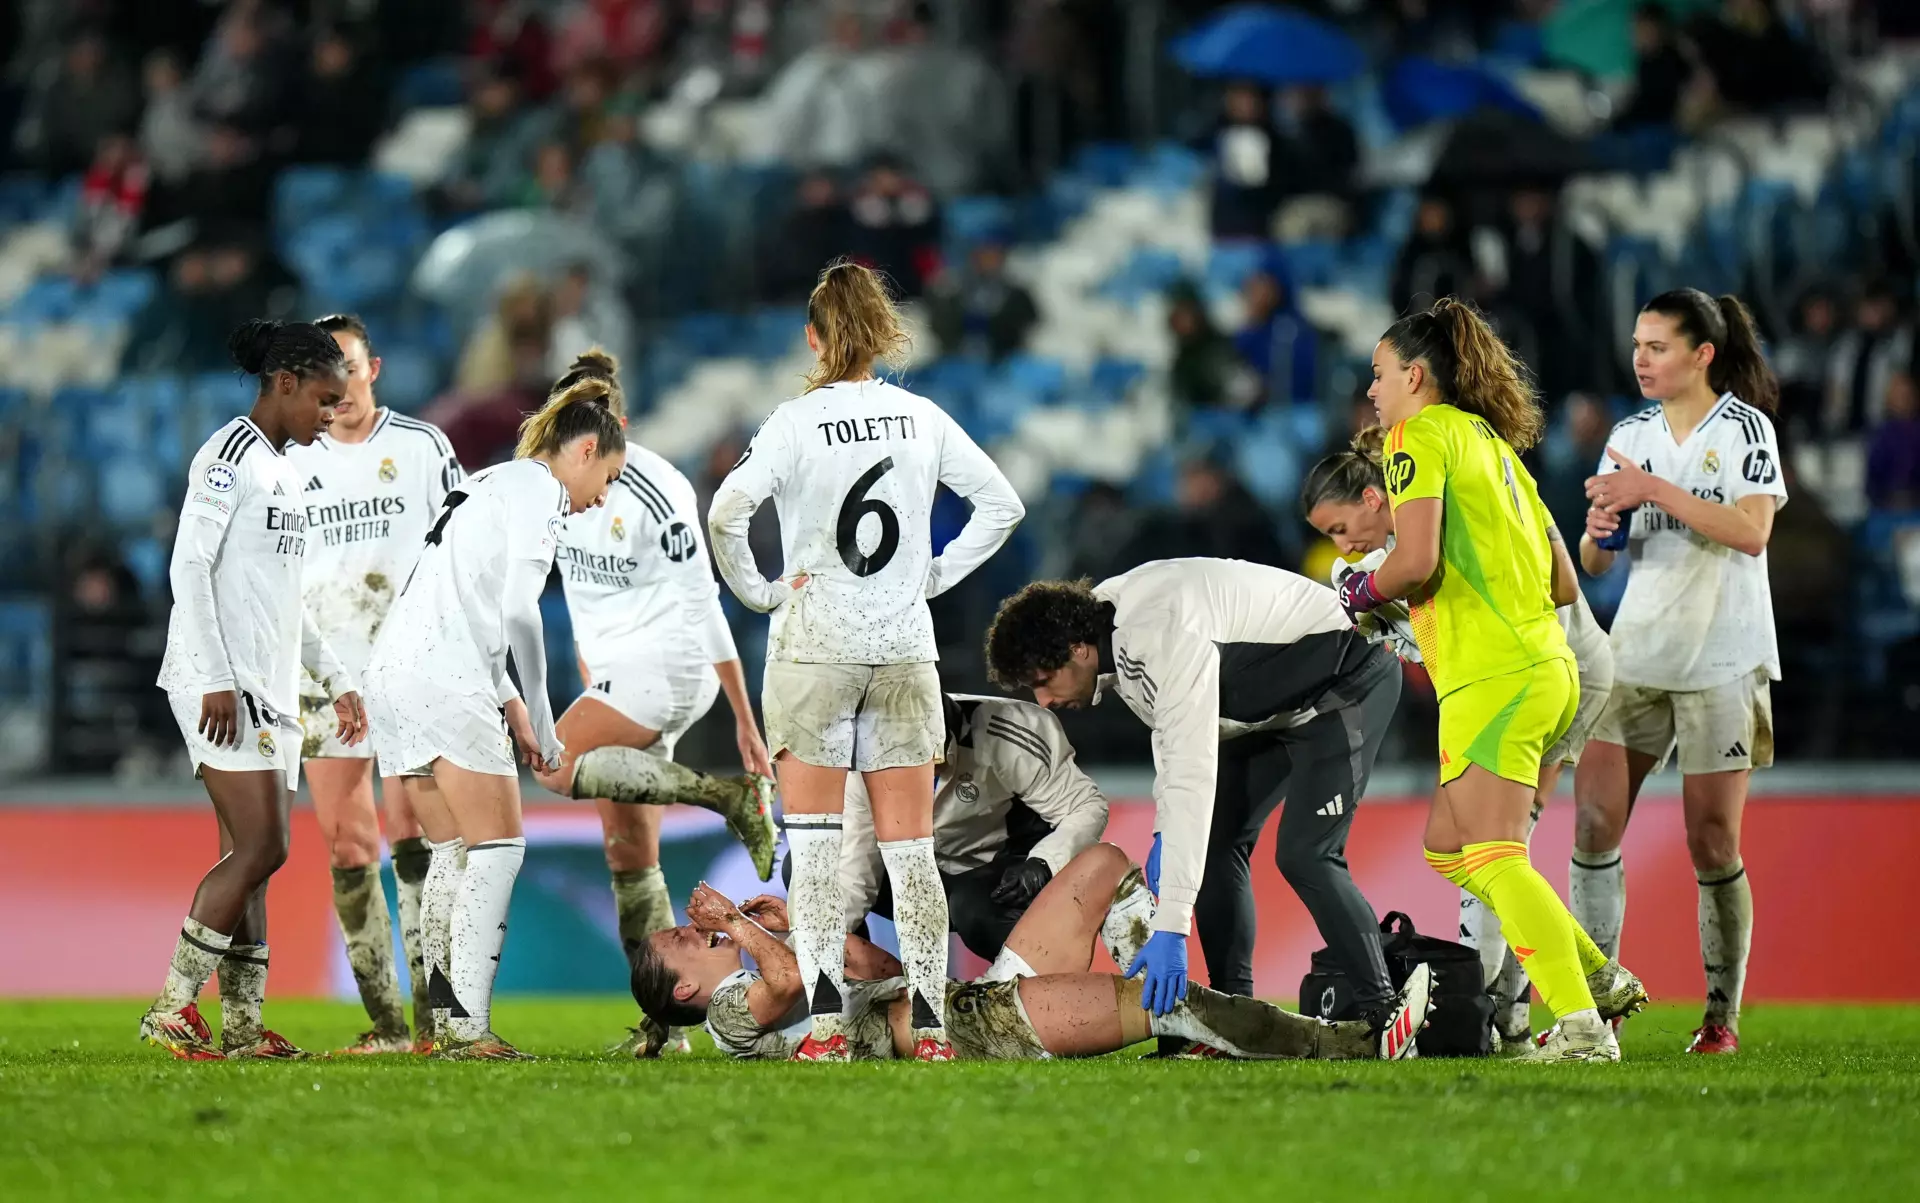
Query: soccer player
point(443, 701)
point(1257, 687)
point(654, 649)
point(372, 486)
point(236, 642)
point(1460, 409)
point(1688, 489)
point(852, 465)
point(1058, 1010)
point(1345, 498)
point(1012, 811)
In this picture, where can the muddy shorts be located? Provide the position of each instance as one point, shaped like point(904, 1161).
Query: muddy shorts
point(865, 717)
point(268, 740)
point(985, 1022)
point(1717, 730)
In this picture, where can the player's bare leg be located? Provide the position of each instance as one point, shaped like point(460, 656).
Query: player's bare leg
point(615, 765)
point(902, 800)
point(1714, 804)
point(342, 790)
point(487, 811)
point(1056, 933)
point(412, 860)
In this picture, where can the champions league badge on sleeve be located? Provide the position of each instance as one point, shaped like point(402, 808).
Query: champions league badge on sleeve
point(221, 478)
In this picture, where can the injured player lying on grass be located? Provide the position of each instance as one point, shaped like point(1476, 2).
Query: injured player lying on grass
point(1047, 1004)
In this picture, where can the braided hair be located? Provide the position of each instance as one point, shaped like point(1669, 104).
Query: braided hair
point(265, 349)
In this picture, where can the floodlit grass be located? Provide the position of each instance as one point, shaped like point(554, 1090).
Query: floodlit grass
point(1823, 1103)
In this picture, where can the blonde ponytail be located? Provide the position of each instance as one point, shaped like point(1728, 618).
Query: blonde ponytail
point(582, 408)
point(855, 322)
point(595, 364)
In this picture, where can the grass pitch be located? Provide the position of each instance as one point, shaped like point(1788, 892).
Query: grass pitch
point(1824, 1103)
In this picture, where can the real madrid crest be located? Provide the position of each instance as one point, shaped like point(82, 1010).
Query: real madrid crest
point(966, 789)
point(1711, 464)
point(266, 744)
point(388, 473)
point(619, 528)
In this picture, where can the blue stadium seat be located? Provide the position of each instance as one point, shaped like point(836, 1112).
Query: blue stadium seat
point(20, 198)
point(436, 83)
point(1113, 377)
point(127, 291)
point(1043, 378)
point(26, 652)
point(50, 298)
point(130, 490)
point(1230, 263)
point(146, 557)
point(409, 376)
point(1155, 478)
point(708, 335)
point(70, 417)
point(973, 219)
point(1169, 169)
point(1311, 264)
point(1106, 163)
point(1270, 466)
point(774, 332)
point(301, 194)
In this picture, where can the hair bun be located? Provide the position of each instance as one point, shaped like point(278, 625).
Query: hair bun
point(248, 345)
point(595, 363)
point(1370, 443)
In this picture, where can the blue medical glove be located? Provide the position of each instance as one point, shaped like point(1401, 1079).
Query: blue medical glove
point(1165, 961)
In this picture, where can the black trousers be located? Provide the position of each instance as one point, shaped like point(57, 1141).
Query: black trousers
point(982, 924)
point(1320, 768)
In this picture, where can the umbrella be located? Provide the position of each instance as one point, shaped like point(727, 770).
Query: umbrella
point(1493, 149)
point(462, 267)
point(1272, 45)
point(1596, 36)
point(1419, 90)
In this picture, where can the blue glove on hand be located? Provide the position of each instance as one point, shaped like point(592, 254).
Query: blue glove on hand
point(1153, 868)
point(1357, 594)
point(1165, 960)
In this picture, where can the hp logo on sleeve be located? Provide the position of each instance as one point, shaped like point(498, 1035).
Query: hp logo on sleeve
point(677, 543)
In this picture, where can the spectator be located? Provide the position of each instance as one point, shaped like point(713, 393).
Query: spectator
point(170, 138)
point(342, 105)
point(978, 311)
point(1536, 275)
point(1864, 360)
point(1755, 62)
point(828, 107)
point(1246, 154)
point(1277, 342)
point(488, 171)
point(228, 196)
point(1661, 70)
point(215, 285)
point(1317, 178)
point(1104, 526)
point(238, 81)
point(585, 317)
point(90, 98)
point(896, 226)
point(626, 196)
point(112, 197)
point(944, 107)
point(1213, 515)
point(1205, 373)
point(586, 106)
point(1893, 455)
point(627, 35)
point(511, 347)
point(1436, 261)
point(512, 35)
point(817, 231)
point(1800, 361)
point(552, 186)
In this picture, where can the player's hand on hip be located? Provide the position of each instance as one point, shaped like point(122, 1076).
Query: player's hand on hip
point(353, 718)
point(753, 749)
point(1153, 868)
point(1022, 882)
point(220, 718)
point(1164, 961)
point(711, 911)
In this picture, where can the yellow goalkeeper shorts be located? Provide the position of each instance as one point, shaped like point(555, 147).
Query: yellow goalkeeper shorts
point(1505, 724)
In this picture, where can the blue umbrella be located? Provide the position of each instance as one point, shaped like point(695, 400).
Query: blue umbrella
point(1418, 90)
point(1271, 45)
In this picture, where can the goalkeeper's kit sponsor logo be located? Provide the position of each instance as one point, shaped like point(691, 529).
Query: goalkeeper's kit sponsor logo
point(1399, 471)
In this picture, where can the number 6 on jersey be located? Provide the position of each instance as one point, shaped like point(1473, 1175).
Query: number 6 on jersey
point(847, 529)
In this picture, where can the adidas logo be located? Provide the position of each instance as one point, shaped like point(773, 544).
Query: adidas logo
point(1738, 749)
point(1336, 807)
point(314, 485)
point(278, 491)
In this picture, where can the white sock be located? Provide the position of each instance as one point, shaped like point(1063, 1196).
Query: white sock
point(411, 859)
point(478, 930)
point(1008, 966)
point(817, 915)
point(437, 893)
point(1129, 921)
point(196, 954)
point(243, 993)
point(920, 919)
point(1480, 931)
point(1597, 896)
point(1726, 934)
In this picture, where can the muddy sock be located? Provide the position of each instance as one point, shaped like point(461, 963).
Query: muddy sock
point(196, 954)
point(1726, 934)
point(1129, 920)
point(818, 917)
point(411, 859)
point(444, 871)
point(361, 906)
point(1597, 896)
point(640, 900)
point(1243, 1027)
point(634, 776)
point(920, 920)
point(243, 992)
point(479, 929)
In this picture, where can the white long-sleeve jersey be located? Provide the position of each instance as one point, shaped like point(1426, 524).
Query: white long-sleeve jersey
point(852, 469)
point(1008, 766)
point(237, 621)
point(639, 585)
point(369, 506)
point(1205, 650)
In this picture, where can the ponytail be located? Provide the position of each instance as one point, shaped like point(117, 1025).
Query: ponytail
point(1342, 477)
point(582, 409)
point(855, 322)
point(1739, 366)
point(1472, 368)
point(264, 349)
point(595, 364)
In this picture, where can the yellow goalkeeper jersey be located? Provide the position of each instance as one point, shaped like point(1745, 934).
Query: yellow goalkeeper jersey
point(1488, 610)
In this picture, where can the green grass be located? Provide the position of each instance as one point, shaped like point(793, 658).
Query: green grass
point(1824, 1103)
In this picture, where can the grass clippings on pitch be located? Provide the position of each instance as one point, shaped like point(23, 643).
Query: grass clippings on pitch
point(1823, 1103)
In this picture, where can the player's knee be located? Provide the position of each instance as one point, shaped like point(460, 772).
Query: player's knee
point(1712, 843)
point(1595, 826)
point(260, 857)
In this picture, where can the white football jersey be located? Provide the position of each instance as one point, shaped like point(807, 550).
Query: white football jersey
point(252, 643)
point(448, 625)
point(639, 585)
point(1696, 613)
point(852, 470)
point(369, 506)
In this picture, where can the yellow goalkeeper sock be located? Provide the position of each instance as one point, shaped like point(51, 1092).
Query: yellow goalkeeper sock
point(1591, 957)
point(1534, 920)
point(1452, 866)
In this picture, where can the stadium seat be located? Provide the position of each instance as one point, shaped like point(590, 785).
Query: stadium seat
point(777, 332)
point(437, 83)
point(130, 490)
point(301, 194)
point(971, 219)
point(1043, 378)
point(409, 377)
point(708, 335)
point(146, 557)
point(1230, 263)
